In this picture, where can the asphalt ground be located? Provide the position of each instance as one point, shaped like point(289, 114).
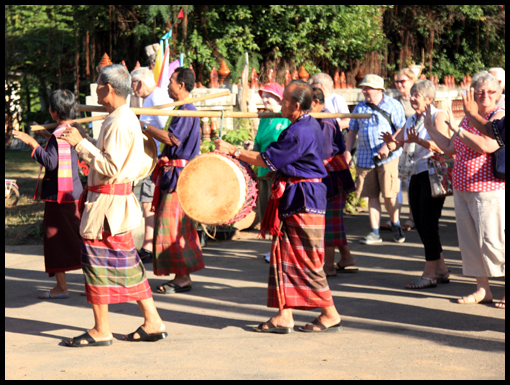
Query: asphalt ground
point(388, 332)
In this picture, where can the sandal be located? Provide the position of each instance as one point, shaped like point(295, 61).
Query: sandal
point(409, 225)
point(421, 283)
point(76, 341)
point(474, 301)
point(323, 328)
point(173, 288)
point(443, 278)
point(144, 336)
point(271, 329)
point(386, 226)
point(500, 304)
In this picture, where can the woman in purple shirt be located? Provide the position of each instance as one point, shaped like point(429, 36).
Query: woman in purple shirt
point(295, 217)
point(61, 189)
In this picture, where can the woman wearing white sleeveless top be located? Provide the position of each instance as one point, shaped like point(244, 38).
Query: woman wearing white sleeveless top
point(413, 167)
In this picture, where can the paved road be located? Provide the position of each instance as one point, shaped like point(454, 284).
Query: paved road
point(389, 332)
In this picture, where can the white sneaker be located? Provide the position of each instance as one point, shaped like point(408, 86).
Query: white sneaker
point(371, 239)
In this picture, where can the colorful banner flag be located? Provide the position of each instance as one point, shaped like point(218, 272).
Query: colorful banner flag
point(167, 73)
point(158, 66)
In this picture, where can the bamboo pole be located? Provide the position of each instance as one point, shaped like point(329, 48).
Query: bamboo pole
point(54, 125)
point(211, 114)
point(86, 108)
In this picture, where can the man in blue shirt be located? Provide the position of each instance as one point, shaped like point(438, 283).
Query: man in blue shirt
point(376, 166)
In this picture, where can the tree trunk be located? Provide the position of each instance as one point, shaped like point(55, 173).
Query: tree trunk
point(87, 55)
point(431, 51)
point(77, 65)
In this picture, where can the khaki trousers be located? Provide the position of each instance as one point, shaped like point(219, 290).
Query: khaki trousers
point(481, 232)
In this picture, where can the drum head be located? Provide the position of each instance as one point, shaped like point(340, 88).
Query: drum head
point(211, 189)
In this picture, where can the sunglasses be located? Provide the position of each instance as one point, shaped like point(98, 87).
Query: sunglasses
point(488, 93)
point(400, 81)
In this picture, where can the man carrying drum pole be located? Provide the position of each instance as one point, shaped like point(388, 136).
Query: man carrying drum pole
point(295, 217)
point(176, 243)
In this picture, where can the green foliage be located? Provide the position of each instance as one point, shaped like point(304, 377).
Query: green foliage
point(50, 46)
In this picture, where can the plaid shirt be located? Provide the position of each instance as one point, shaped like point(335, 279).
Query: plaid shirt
point(370, 130)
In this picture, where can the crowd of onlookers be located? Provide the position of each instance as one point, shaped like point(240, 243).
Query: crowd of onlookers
point(393, 151)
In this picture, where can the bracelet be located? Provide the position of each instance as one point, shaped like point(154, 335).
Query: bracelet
point(460, 130)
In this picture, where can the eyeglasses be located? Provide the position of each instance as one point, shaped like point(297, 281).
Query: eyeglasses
point(400, 81)
point(488, 93)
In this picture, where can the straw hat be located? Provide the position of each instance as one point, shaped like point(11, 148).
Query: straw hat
point(149, 158)
point(373, 81)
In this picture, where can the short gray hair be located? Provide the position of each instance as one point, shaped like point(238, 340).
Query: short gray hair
point(485, 77)
point(500, 75)
point(144, 74)
point(425, 88)
point(118, 77)
point(325, 80)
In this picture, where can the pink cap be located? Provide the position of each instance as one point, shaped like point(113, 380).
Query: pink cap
point(272, 88)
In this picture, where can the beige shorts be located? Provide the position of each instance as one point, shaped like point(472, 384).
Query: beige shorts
point(371, 182)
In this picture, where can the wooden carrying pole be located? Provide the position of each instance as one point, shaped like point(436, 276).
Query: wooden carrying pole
point(82, 107)
point(211, 114)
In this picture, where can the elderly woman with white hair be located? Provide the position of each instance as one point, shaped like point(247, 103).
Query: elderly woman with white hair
point(418, 147)
point(479, 195)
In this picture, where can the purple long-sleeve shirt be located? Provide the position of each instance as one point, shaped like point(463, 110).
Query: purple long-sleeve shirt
point(184, 132)
point(298, 153)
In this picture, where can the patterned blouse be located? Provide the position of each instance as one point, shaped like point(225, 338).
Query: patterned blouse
point(473, 171)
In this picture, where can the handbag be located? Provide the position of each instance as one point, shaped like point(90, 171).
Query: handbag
point(498, 163)
point(441, 175)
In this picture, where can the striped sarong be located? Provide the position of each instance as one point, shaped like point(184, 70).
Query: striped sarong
point(296, 277)
point(334, 234)
point(113, 270)
point(176, 242)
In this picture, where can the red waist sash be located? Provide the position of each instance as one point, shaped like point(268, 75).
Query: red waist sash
point(336, 163)
point(162, 165)
point(107, 189)
point(271, 221)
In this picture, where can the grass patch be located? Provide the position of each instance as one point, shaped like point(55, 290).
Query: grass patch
point(24, 222)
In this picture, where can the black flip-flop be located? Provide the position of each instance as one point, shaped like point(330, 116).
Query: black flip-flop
point(144, 336)
point(173, 288)
point(346, 270)
point(272, 329)
point(90, 341)
point(324, 329)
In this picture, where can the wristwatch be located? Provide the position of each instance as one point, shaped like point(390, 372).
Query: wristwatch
point(144, 127)
point(237, 153)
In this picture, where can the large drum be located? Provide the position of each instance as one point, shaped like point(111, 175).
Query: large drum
point(217, 189)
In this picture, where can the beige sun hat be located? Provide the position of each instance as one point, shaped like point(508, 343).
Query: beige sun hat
point(373, 81)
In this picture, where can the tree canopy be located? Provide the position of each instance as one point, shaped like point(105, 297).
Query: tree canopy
point(59, 46)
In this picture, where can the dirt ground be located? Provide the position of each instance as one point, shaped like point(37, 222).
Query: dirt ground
point(389, 332)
